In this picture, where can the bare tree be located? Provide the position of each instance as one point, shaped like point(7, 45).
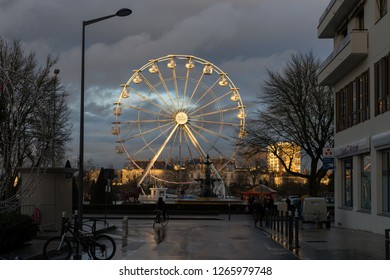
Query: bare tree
point(34, 114)
point(294, 109)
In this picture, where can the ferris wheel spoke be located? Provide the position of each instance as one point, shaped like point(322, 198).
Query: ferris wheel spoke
point(167, 91)
point(195, 89)
point(170, 152)
point(200, 150)
point(211, 132)
point(139, 109)
point(208, 142)
point(186, 84)
point(176, 87)
point(203, 96)
point(195, 142)
point(157, 93)
point(144, 121)
point(214, 122)
point(150, 101)
point(149, 143)
point(187, 140)
point(211, 102)
point(180, 144)
point(213, 113)
point(145, 132)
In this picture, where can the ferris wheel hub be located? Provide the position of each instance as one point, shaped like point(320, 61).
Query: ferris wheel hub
point(181, 118)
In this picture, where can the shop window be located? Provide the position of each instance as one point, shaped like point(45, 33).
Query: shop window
point(347, 185)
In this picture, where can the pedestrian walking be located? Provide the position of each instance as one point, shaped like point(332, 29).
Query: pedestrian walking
point(258, 211)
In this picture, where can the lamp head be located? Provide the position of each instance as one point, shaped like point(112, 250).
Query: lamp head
point(123, 12)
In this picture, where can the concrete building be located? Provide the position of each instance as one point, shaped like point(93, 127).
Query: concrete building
point(358, 71)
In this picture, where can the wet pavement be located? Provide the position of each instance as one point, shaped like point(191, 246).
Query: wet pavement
point(214, 238)
point(221, 237)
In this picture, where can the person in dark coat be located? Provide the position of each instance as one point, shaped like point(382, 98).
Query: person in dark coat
point(258, 211)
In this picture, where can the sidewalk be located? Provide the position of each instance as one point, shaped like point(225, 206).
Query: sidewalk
point(337, 243)
point(314, 244)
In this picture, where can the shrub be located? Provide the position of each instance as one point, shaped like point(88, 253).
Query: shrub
point(15, 230)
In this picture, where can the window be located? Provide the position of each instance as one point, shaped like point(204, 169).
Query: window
point(347, 182)
point(381, 8)
point(365, 179)
point(362, 93)
point(353, 103)
point(381, 80)
point(386, 181)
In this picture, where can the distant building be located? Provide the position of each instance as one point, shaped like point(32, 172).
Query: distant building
point(358, 69)
point(289, 153)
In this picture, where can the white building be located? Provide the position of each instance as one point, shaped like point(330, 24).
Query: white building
point(359, 71)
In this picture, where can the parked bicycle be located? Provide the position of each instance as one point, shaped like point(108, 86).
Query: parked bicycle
point(160, 218)
point(98, 246)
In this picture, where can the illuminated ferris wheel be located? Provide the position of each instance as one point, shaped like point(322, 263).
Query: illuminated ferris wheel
point(176, 111)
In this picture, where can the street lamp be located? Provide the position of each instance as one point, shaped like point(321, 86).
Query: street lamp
point(119, 13)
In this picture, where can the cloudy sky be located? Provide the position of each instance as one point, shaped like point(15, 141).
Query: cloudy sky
point(242, 37)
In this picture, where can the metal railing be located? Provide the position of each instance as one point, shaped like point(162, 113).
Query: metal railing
point(47, 212)
point(284, 227)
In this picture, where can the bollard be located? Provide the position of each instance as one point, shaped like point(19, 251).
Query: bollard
point(282, 223)
point(229, 211)
point(63, 222)
point(125, 229)
point(273, 219)
point(77, 228)
point(290, 230)
point(286, 224)
point(296, 219)
point(387, 243)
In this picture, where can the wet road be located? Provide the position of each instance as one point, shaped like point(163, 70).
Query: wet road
point(197, 239)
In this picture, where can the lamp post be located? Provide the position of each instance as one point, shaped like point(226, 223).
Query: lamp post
point(53, 157)
point(119, 13)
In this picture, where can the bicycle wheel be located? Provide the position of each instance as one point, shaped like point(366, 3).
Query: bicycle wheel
point(164, 221)
point(157, 218)
point(102, 247)
point(57, 248)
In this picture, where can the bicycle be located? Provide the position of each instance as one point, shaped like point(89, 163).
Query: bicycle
point(160, 218)
point(98, 246)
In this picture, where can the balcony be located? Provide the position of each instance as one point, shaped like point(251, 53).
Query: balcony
point(351, 51)
point(335, 13)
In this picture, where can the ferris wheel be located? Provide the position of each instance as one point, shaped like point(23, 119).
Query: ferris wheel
point(176, 112)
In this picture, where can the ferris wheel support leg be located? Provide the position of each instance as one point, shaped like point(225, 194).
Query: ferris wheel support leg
point(203, 153)
point(151, 163)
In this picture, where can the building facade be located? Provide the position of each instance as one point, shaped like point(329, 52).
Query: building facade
point(358, 71)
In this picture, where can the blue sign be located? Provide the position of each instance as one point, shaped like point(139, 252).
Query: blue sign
point(328, 163)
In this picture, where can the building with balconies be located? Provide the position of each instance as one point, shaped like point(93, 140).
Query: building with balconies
point(358, 70)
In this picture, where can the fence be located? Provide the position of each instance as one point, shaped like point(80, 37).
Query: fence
point(283, 227)
point(45, 212)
